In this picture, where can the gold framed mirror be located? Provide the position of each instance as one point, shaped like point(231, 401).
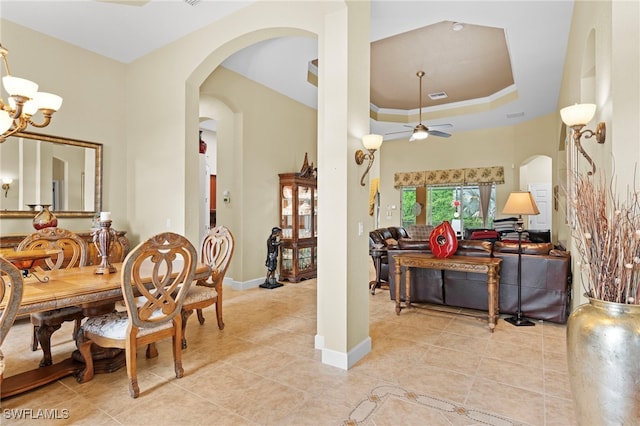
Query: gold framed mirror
point(37, 169)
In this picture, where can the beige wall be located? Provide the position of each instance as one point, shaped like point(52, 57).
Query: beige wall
point(602, 66)
point(93, 89)
point(277, 132)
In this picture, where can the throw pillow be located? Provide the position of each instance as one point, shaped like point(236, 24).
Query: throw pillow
point(391, 242)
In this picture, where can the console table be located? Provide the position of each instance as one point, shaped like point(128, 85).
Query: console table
point(482, 265)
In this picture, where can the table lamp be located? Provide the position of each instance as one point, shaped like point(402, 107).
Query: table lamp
point(520, 203)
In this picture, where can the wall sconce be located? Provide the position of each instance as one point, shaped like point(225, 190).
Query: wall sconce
point(372, 144)
point(6, 184)
point(576, 117)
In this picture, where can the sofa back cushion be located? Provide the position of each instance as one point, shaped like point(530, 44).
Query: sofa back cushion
point(411, 244)
point(474, 245)
point(527, 248)
point(419, 232)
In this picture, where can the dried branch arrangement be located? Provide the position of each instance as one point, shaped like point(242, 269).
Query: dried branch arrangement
point(607, 236)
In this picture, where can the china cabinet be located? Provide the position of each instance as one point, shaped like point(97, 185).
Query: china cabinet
point(298, 220)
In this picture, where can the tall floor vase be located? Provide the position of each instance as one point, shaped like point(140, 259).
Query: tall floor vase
point(603, 353)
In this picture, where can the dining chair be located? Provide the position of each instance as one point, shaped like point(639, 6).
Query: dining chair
point(74, 252)
point(216, 251)
point(155, 278)
point(10, 297)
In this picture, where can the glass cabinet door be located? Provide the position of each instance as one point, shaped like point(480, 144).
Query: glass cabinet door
point(304, 212)
point(304, 258)
point(315, 213)
point(287, 212)
point(287, 260)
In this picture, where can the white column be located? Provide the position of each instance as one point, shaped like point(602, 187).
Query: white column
point(343, 118)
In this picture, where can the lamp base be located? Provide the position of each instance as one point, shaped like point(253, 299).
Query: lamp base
point(518, 321)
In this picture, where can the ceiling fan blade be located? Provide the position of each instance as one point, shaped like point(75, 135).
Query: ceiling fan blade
point(395, 133)
point(443, 125)
point(438, 133)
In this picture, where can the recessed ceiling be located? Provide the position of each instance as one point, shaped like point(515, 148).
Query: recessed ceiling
point(519, 47)
point(468, 64)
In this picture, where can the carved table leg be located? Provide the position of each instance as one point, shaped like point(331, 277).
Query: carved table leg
point(398, 284)
point(407, 288)
point(44, 337)
point(492, 281)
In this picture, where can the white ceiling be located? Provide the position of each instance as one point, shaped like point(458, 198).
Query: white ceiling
point(536, 35)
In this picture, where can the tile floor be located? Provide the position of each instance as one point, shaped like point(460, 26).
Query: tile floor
point(262, 369)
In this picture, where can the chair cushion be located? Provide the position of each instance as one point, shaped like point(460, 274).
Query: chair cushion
point(199, 293)
point(114, 326)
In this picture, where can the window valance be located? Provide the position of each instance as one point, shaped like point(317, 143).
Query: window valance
point(470, 176)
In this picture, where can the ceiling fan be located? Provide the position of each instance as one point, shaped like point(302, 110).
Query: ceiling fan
point(421, 131)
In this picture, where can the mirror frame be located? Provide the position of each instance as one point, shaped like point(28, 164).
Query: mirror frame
point(63, 141)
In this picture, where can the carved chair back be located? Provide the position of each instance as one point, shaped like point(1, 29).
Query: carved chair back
point(170, 259)
point(216, 251)
point(74, 249)
point(10, 297)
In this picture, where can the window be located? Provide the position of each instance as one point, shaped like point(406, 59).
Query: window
point(452, 203)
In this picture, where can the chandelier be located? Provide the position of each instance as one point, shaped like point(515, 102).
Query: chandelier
point(23, 102)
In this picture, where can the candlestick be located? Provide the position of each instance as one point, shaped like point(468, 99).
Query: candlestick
point(102, 240)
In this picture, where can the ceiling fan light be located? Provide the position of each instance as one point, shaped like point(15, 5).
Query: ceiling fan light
point(420, 134)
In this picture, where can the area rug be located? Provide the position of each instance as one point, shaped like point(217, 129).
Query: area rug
point(398, 406)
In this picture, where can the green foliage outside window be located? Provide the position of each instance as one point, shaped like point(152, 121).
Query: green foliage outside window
point(408, 200)
point(440, 206)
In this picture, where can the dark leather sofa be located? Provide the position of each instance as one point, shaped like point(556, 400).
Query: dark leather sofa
point(385, 238)
point(546, 279)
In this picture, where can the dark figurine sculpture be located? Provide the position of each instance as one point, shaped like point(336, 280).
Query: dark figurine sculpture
point(273, 247)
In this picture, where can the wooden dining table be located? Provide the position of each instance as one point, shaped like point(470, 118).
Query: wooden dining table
point(68, 287)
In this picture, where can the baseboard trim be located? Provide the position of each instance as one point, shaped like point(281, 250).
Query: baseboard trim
point(347, 360)
point(246, 285)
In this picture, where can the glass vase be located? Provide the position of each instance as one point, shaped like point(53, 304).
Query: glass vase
point(44, 218)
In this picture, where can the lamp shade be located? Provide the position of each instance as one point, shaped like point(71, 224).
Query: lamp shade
point(5, 121)
point(19, 86)
point(521, 203)
point(372, 142)
point(46, 100)
point(578, 114)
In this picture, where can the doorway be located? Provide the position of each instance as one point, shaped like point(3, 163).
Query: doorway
point(536, 176)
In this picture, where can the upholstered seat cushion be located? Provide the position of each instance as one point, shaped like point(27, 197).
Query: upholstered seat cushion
point(114, 325)
point(199, 293)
